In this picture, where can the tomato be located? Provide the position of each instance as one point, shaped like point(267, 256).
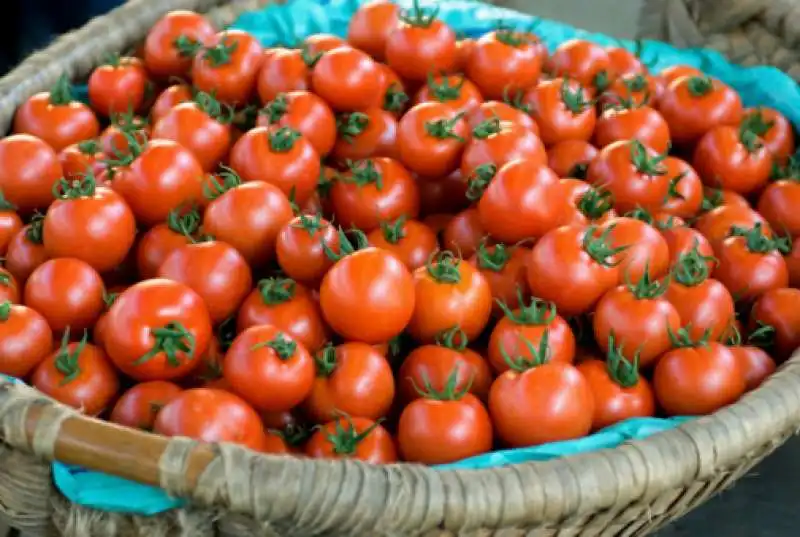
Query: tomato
point(520, 202)
point(288, 306)
point(28, 169)
point(463, 233)
point(583, 204)
point(562, 109)
point(535, 403)
point(170, 97)
point(365, 134)
point(138, 407)
point(685, 192)
point(573, 266)
point(444, 426)
point(393, 91)
point(792, 263)
point(247, 216)
point(447, 195)
point(697, 378)
point(269, 368)
point(420, 44)
point(79, 159)
point(25, 339)
point(161, 240)
point(10, 224)
point(320, 44)
point(756, 365)
point(731, 159)
point(228, 66)
point(431, 138)
point(300, 248)
point(56, 118)
point(157, 330)
point(305, 112)
point(410, 240)
point(371, 25)
point(642, 123)
point(716, 225)
point(504, 269)
point(173, 40)
point(778, 203)
point(675, 72)
point(373, 191)
point(449, 292)
point(455, 90)
point(693, 105)
point(620, 393)
point(645, 249)
point(775, 314)
point(504, 61)
point(119, 86)
point(26, 251)
point(571, 158)
point(583, 61)
point(464, 48)
point(347, 79)
point(283, 71)
point(682, 240)
point(774, 130)
point(353, 379)
point(633, 173)
point(624, 62)
point(123, 131)
point(750, 263)
point(494, 143)
point(505, 111)
point(211, 415)
point(352, 438)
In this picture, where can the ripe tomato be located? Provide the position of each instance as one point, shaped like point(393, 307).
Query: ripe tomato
point(228, 66)
point(733, 159)
point(420, 44)
point(371, 133)
point(67, 292)
point(367, 295)
point(371, 25)
point(449, 292)
point(778, 204)
point(247, 216)
point(633, 173)
point(211, 415)
point(9, 287)
point(157, 330)
point(448, 195)
point(283, 71)
point(455, 90)
point(776, 315)
point(504, 61)
point(10, 223)
point(25, 339)
point(269, 368)
point(513, 206)
point(410, 240)
point(352, 438)
point(571, 158)
point(645, 249)
point(172, 96)
point(26, 251)
point(431, 138)
point(755, 363)
point(697, 378)
point(320, 44)
point(774, 130)
point(28, 169)
point(573, 266)
point(562, 109)
point(624, 62)
point(583, 204)
point(78, 375)
point(792, 263)
point(504, 269)
point(444, 426)
point(119, 86)
point(534, 404)
point(675, 72)
point(79, 159)
point(374, 191)
point(685, 192)
point(161, 240)
point(620, 393)
point(347, 79)
point(353, 379)
point(287, 306)
point(642, 123)
point(139, 406)
point(530, 331)
point(693, 105)
point(56, 118)
point(123, 131)
point(505, 111)
point(583, 61)
point(173, 40)
point(682, 240)
point(300, 248)
point(751, 263)
point(305, 112)
point(495, 143)
point(716, 225)
point(464, 233)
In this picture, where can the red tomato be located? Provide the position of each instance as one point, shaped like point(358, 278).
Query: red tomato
point(119, 86)
point(645, 249)
point(79, 159)
point(463, 233)
point(163, 239)
point(774, 130)
point(173, 40)
point(269, 368)
point(642, 123)
point(548, 402)
point(495, 143)
point(455, 90)
point(755, 363)
point(682, 240)
point(583, 204)
point(211, 415)
point(778, 205)
point(505, 111)
point(584, 61)
point(448, 195)
point(393, 91)
point(26, 251)
point(305, 112)
point(157, 330)
point(410, 240)
point(366, 134)
point(504, 269)
point(562, 109)
point(123, 132)
point(353, 379)
point(431, 138)
point(319, 44)
point(288, 306)
point(371, 25)
point(284, 70)
point(750, 263)
point(716, 225)
point(571, 158)
point(675, 72)
point(464, 48)
point(685, 193)
point(9, 287)
point(792, 263)
point(693, 105)
point(10, 224)
point(172, 96)
point(352, 438)
point(697, 378)
point(504, 61)
point(624, 62)
point(300, 248)
point(776, 315)
point(449, 292)
point(28, 169)
point(139, 406)
point(513, 209)
point(25, 339)
point(420, 44)
point(733, 159)
point(228, 66)
point(347, 79)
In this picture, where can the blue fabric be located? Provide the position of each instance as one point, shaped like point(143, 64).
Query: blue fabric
point(292, 21)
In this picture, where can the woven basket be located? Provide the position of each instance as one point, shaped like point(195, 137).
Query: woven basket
point(627, 491)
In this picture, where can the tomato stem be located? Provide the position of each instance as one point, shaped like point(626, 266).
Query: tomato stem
point(443, 129)
point(309, 59)
point(418, 16)
point(395, 231)
point(276, 290)
point(537, 356)
point(275, 109)
point(645, 164)
point(595, 203)
point(283, 139)
point(692, 267)
point(212, 107)
point(109, 299)
point(284, 347)
point(601, 81)
point(622, 371)
point(479, 180)
point(749, 138)
point(574, 100)
point(186, 46)
point(645, 288)
point(495, 259)
point(61, 92)
point(700, 86)
point(683, 337)
point(453, 338)
point(184, 221)
point(345, 441)
point(346, 246)
point(444, 90)
point(449, 391)
point(293, 434)
point(712, 199)
point(516, 100)
point(76, 188)
point(395, 98)
point(310, 223)
point(351, 124)
point(763, 336)
point(536, 312)
point(635, 83)
point(5, 308)
point(67, 362)
point(34, 232)
point(488, 127)
point(600, 249)
point(757, 242)
point(6, 205)
point(443, 267)
point(363, 173)
point(732, 336)
point(510, 37)
point(220, 54)
point(325, 360)
point(212, 189)
point(89, 147)
point(171, 339)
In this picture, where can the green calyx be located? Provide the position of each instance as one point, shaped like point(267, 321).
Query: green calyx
point(220, 183)
point(351, 125)
point(749, 138)
point(672, 189)
point(622, 371)
point(443, 267)
point(345, 440)
point(172, 339)
point(757, 242)
point(6, 205)
point(418, 16)
point(5, 308)
point(184, 221)
point(283, 139)
point(537, 355)
point(75, 189)
point(682, 339)
point(61, 92)
point(644, 163)
point(599, 247)
point(646, 288)
point(574, 100)
point(763, 336)
point(293, 434)
point(346, 245)
point(275, 291)
point(641, 214)
point(511, 38)
point(755, 122)
point(283, 347)
point(700, 86)
point(453, 338)
point(479, 180)
point(311, 223)
point(536, 312)
point(493, 258)
point(595, 203)
point(444, 129)
point(444, 90)
point(186, 46)
point(712, 199)
point(308, 58)
point(89, 147)
point(450, 391)
point(395, 98)
point(325, 361)
point(487, 128)
point(732, 336)
point(364, 173)
point(34, 232)
point(395, 231)
point(220, 54)
point(275, 109)
point(692, 267)
point(579, 170)
point(517, 100)
point(601, 81)
point(66, 362)
point(213, 108)
point(635, 83)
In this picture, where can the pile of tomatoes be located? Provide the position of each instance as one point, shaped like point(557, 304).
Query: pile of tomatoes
point(399, 246)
